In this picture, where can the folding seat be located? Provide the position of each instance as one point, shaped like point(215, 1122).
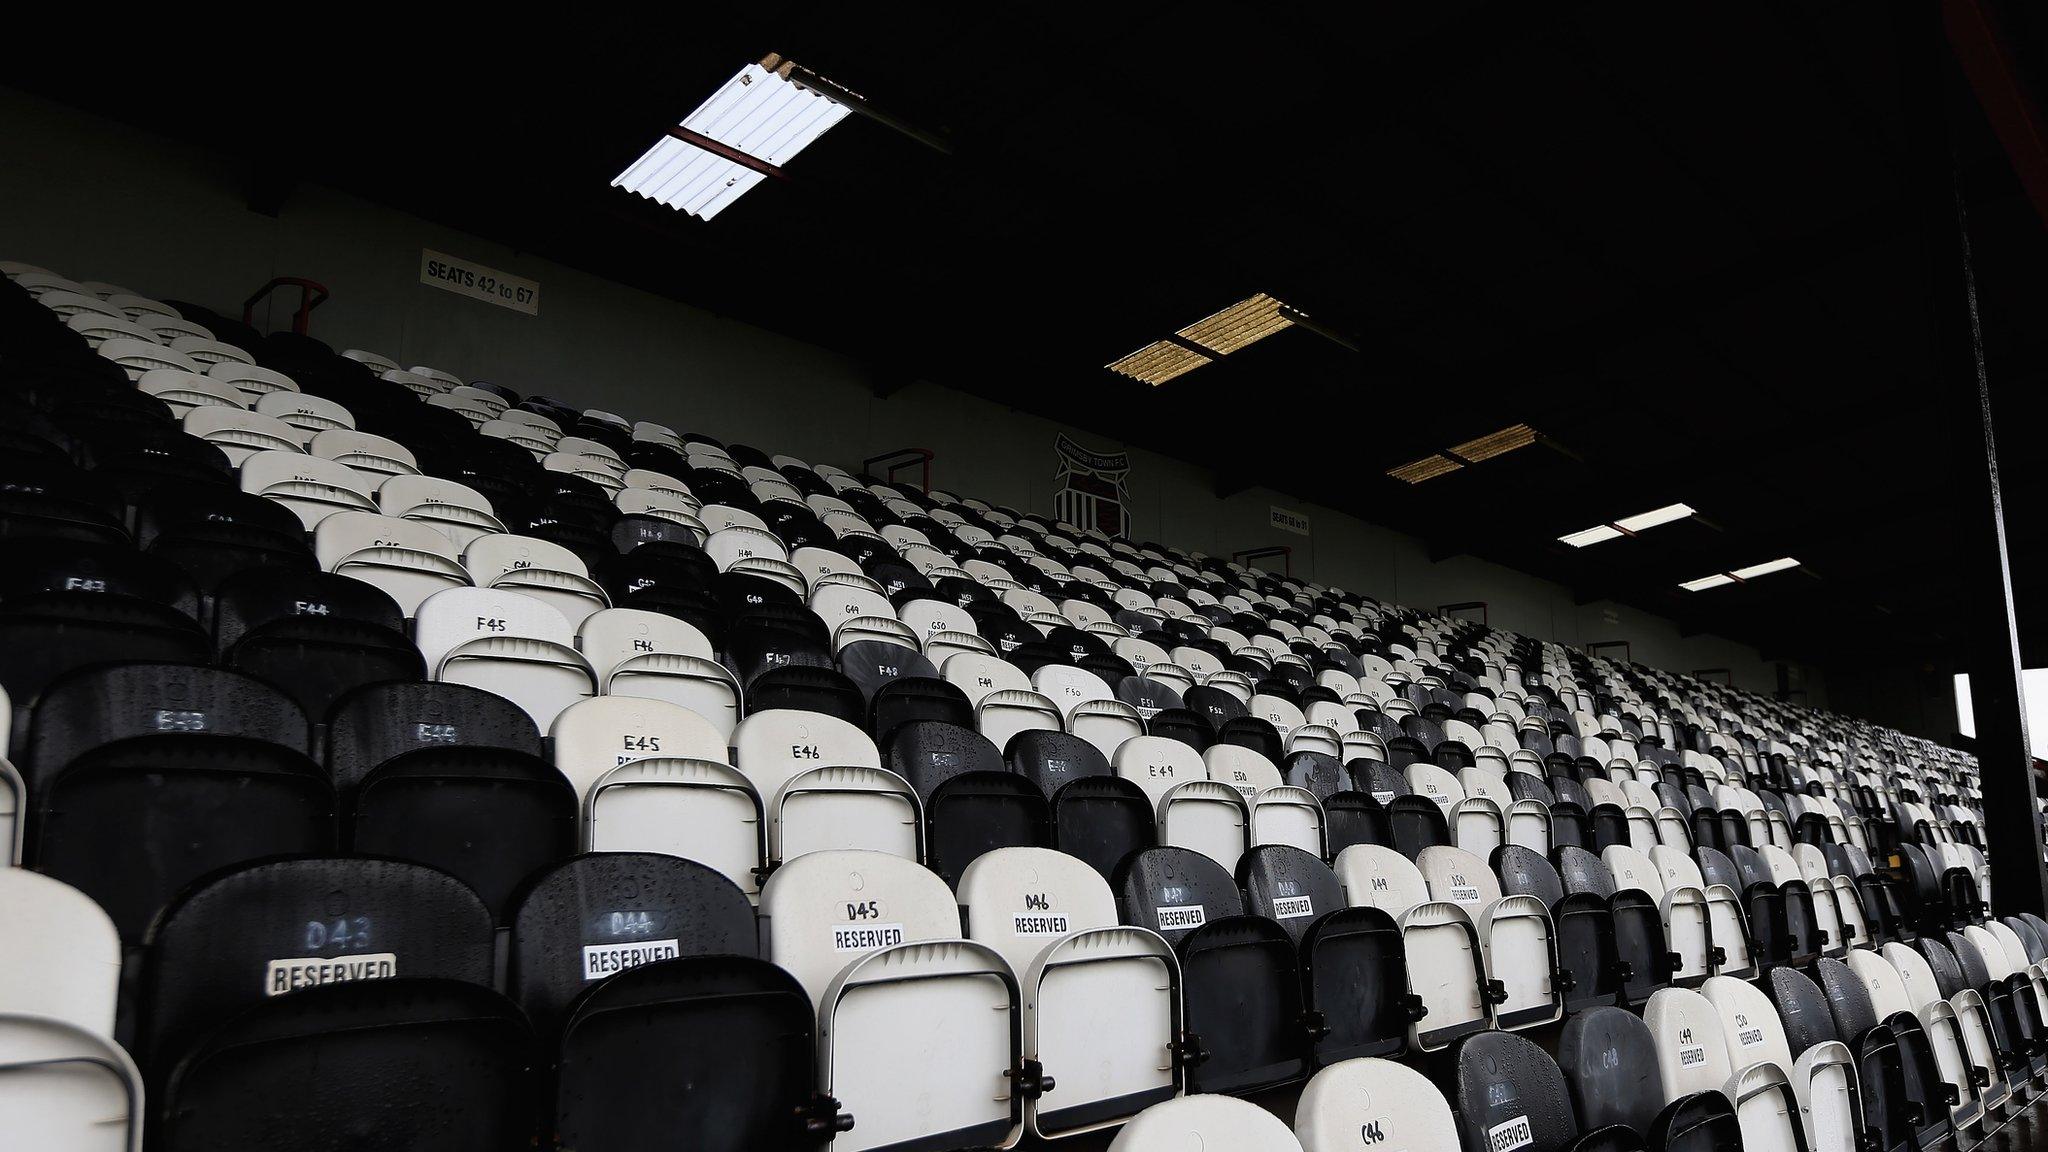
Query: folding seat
point(1595, 971)
point(1609, 1061)
point(1193, 811)
point(64, 1086)
point(60, 957)
point(1417, 823)
point(326, 1052)
point(1004, 701)
point(1518, 941)
point(1239, 981)
point(1742, 954)
point(1906, 1100)
point(1446, 959)
point(1097, 816)
point(66, 605)
point(456, 511)
point(972, 803)
point(507, 643)
point(1102, 1001)
point(1761, 1085)
point(739, 1071)
point(822, 785)
point(544, 571)
point(1205, 1121)
point(596, 915)
point(1088, 707)
point(656, 656)
point(1692, 1054)
point(1823, 1070)
point(1509, 1094)
point(1958, 1056)
point(258, 932)
point(906, 1038)
point(408, 560)
point(1983, 1008)
point(314, 634)
point(1364, 1102)
point(310, 414)
point(145, 776)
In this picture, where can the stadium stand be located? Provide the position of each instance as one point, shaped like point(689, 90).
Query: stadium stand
point(512, 744)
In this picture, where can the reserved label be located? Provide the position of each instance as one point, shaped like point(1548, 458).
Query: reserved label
point(1040, 924)
point(281, 976)
point(1293, 907)
point(601, 960)
point(1181, 916)
point(1384, 798)
point(1749, 1037)
point(1692, 1057)
point(1464, 895)
point(865, 937)
point(1509, 1136)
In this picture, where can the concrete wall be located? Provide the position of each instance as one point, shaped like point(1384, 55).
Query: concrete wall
point(94, 199)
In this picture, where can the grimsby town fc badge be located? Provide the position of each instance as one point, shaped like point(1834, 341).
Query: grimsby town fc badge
point(1091, 492)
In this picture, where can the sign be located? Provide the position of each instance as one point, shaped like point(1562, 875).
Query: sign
point(1180, 916)
point(281, 976)
point(1287, 521)
point(865, 937)
point(602, 960)
point(1510, 1136)
point(1293, 907)
point(468, 278)
point(1091, 492)
point(1039, 924)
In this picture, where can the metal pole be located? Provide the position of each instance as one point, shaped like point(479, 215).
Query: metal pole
point(1991, 651)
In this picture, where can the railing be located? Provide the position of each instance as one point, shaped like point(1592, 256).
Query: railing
point(1599, 646)
point(1464, 606)
point(312, 294)
point(900, 459)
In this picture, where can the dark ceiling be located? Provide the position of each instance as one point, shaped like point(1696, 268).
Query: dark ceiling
point(1686, 243)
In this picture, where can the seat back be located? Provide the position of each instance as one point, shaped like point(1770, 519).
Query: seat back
point(1367, 1102)
point(1609, 1061)
point(1510, 1094)
point(1692, 1054)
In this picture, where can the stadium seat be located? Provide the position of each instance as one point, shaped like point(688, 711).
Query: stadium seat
point(314, 634)
point(1445, 955)
point(1518, 939)
point(972, 802)
point(1609, 1061)
point(1239, 976)
point(63, 1086)
point(60, 956)
point(1193, 811)
point(907, 1041)
point(1102, 1001)
point(1508, 1093)
point(506, 643)
point(1366, 1102)
point(255, 934)
point(145, 777)
point(1205, 1120)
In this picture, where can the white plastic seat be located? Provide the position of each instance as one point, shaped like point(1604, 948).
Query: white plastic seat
point(658, 657)
point(1192, 811)
point(457, 511)
point(60, 956)
point(1368, 1103)
point(408, 560)
point(378, 458)
point(1245, 769)
point(728, 547)
point(182, 391)
point(473, 404)
point(1205, 1122)
point(824, 787)
point(536, 440)
point(506, 643)
point(98, 328)
point(210, 352)
point(240, 434)
point(597, 735)
point(66, 1089)
point(1292, 816)
point(375, 363)
point(915, 1024)
point(312, 488)
point(68, 304)
point(1692, 1054)
point(1446, 958)
point(1516, 936)
point(542, 569)
point(13, 802)
point(1953, 1053)
point(702, 810)
point(311, 415)
point(255, 383)
point(1101, 1000)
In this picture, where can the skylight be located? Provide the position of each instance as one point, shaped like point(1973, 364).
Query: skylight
point(1740, 575)
point(1158, 362)
point(1627, 525)
point(1216, 335)
point(757, 122)
point(1470, 452)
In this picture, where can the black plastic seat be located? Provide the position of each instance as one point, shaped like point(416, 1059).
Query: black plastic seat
point(972, 802)
point(1053, 759)
point(46, 498)
point(1508, 1093)
point(1355, 818)
point(1354, 979)
point(313, 1072)
point(1288, 886)
point(1182, 724)
point(1588, 953)
point(602, 913)
point(1701, 1122)
point(1418, 823)
point(312, 634)
point(212, 532)
point(1318, 772)
point(489, 816)
point(272, 928)
point(738, 1071)
point(806, 689)
point(1609, 1061)
point(144, 777)
point(915, 698)
point(1802, 1009)
point(1102, 820)
point(376, 724)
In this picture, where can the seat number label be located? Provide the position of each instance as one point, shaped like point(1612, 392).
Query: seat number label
point(1293, 907)
point(865, 937)
point(1039, 924)
point(1181, 916)
point(281, 976)
point(601, 960)
point(1509, 1136)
